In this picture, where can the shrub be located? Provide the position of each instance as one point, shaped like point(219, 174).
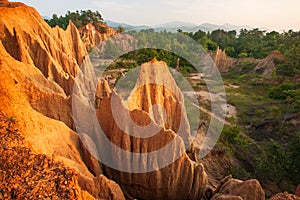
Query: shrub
point(278, 60)
point(187, 69)
point(243, 55)
point(272, 164)
point(260, 112)
point(231, 134)
point(285, 69)
point(284, 91)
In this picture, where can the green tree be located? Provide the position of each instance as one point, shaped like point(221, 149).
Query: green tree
point(121, 29)
point(79, 19)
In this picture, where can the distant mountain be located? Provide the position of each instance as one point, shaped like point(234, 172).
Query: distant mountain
point(188, 27)
point(126, 26)
point(233, 27)
point(174, 26)
point(184, 26)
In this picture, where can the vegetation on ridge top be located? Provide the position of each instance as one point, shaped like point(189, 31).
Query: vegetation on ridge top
point(79, 19)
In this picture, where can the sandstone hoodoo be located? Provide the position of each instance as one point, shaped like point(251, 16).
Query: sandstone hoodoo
point(93, 35)
point(166, 179)
point(156, 86)
point(52, 58)
point(182, 178)
point(222, 61)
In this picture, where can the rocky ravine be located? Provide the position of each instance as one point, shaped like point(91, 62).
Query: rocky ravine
point(38, 69)
point(265, 66)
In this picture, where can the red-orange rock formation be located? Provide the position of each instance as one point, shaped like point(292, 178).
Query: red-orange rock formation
point(285, 196)
point(226, 197)
point(92, 35)
point(37, 69)
point(156, 86)
point(222, 61)
point(267, 65)
point(56, 53)
point(101, 187)
point(166, 183)
point(181, 179)
point(264, 66)
point(236, 189)
point(297, 192)
point(25, 175)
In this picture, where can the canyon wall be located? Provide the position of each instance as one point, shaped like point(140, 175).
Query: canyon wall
point(37, 69)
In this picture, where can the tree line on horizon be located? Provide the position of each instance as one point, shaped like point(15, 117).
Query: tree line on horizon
point(254, 43)
point(79, 18)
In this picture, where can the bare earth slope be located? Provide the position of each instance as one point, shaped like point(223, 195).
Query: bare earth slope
point(92, 35)
point(37, 69)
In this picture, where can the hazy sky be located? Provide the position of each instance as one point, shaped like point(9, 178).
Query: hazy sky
point(274, 14)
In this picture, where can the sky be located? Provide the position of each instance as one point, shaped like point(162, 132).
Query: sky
point(273, 14)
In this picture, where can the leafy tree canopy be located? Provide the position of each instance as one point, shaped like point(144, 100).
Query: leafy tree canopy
point(79, 18)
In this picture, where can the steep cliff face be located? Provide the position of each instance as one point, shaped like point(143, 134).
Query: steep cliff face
point(37, 69)
point(182, 178)
point(93, 35)
point(156, 86)
point(267, 65)
point(222, 61)
point(42, 134)
point(264, 66)
point(56, 53)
